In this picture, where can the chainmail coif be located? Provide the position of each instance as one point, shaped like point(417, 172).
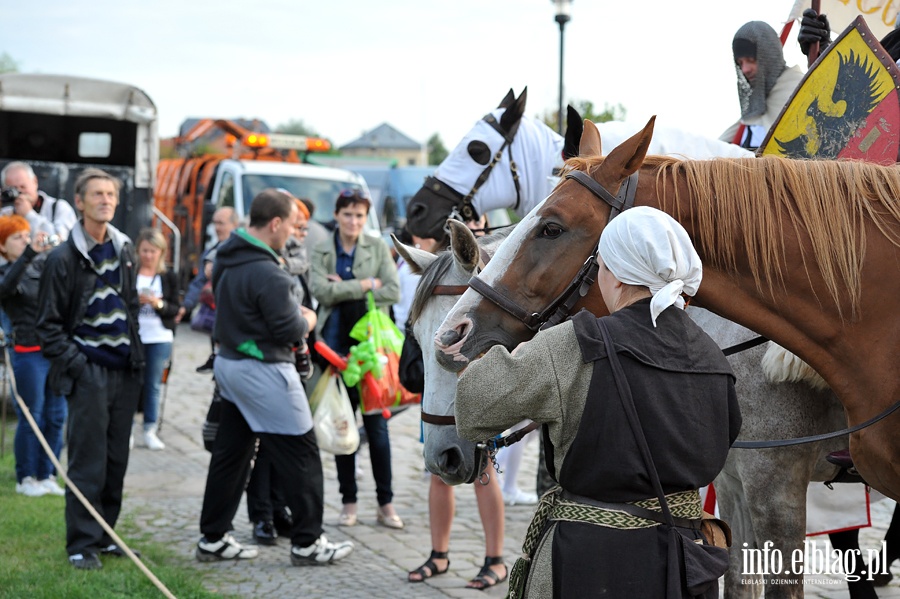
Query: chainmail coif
point(758, 36)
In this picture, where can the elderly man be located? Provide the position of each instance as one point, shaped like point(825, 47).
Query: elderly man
point(224, 220)
point(260, 328)
point(50, 215)
point(87, 328)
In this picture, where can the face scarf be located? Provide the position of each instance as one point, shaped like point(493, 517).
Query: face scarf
point(646, 247)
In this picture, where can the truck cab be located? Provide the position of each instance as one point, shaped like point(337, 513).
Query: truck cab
point(237, 182)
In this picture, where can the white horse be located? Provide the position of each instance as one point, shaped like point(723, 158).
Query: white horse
point(446, 454)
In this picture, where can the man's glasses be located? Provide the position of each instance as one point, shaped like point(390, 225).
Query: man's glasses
point(354, 193)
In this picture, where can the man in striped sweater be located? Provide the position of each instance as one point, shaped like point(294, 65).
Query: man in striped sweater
point(87, 325)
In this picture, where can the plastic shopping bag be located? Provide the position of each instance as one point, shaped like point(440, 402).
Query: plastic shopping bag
point(378, 354)
point(333, 418)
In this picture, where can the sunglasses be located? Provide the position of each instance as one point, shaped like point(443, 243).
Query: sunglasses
point(354, 193)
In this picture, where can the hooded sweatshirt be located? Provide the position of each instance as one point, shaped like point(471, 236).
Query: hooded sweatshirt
point(256, 315)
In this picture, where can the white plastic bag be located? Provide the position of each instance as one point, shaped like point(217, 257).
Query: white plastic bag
point(334, 421)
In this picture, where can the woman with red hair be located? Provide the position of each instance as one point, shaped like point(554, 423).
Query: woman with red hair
point(19, 278)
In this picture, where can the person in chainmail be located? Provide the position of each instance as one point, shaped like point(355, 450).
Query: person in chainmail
point(764, 82)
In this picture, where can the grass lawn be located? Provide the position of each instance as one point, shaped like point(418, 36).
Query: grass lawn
point(33, 560)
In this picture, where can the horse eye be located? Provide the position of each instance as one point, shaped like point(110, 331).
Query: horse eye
point(479, 151)
point(551, 231)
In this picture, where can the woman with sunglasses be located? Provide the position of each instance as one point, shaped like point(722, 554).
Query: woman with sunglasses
point(344, 268)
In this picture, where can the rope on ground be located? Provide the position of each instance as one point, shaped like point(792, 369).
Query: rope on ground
point(87, 504)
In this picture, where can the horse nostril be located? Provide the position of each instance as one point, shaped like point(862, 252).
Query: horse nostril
point(452, 336)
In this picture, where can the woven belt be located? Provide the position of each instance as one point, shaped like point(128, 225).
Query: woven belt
point(559, 505)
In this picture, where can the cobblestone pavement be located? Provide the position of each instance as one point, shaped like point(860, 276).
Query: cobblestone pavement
point(164, 492)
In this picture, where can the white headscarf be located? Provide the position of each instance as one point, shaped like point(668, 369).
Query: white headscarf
point(647, 247)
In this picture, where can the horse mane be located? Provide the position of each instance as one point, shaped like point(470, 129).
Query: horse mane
point(737, 208)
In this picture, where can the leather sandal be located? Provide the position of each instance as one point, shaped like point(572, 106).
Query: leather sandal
point(429, 568)
point(486, 577)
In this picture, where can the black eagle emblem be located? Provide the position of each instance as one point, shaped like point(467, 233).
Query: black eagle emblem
point(857, 88)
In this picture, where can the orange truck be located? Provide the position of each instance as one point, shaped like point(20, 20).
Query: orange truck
point(188, 190)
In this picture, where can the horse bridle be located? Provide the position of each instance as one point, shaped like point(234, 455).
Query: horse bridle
point(561, 306)
point(486, 450)
point(464, 209)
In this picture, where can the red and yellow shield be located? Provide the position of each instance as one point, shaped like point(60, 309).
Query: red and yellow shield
point(847, 105)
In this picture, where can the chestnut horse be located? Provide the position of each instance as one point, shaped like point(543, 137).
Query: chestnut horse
point(804, 252)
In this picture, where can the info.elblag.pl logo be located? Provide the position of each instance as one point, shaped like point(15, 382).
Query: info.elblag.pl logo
point(817, 558)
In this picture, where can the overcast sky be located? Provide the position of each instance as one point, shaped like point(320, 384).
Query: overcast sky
point(424, 66)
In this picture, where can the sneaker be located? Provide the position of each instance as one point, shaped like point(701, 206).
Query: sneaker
point(30, 487)
point(519, 497)
point(264, 532)
point(321, 552)
point(224, 549)
point(153, 442)
point(52, 486)
point(208, 365)
point(85, 561)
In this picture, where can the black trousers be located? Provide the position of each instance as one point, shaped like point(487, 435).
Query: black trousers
point(101, 410)
point(264, 495)
point(294, 457)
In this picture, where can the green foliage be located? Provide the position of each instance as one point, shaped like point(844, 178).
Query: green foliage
point(33, 559)
point(8, 64)
point(296, 127)
point(587, 111)
point(436, 150)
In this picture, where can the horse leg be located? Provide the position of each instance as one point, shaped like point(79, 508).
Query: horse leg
point(734, 510)
point(845, 542)
point(775, 483)
point(892, 550)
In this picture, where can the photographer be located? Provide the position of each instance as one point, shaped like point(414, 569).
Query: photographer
point(21, 196)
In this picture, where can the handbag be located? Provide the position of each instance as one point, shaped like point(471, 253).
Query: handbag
point(411, 368)
point(333, 419)
point(203, 319)
point(703, 563)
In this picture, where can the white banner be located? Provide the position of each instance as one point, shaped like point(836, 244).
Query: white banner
point(880, 15)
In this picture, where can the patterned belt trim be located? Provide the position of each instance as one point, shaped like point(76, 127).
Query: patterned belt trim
point(685, 504)
point(682, 505)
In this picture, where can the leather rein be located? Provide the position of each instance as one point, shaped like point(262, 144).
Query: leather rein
point(559, 308)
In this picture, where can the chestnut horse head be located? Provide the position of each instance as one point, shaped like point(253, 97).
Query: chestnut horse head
point(803, 252)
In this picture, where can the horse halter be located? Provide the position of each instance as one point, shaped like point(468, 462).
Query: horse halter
point(560, 308)
point(465, 210)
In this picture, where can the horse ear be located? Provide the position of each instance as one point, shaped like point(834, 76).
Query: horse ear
point(590, 141)
point(463, 245)
point(508, 99)
point(628, 156)
point(574, 131)
point(417, 259)
point(513, 114)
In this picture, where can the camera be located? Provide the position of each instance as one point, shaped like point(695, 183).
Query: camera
point(52, 241)
point(8, 196)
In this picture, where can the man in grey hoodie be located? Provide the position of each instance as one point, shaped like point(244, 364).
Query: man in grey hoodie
point(259, 326)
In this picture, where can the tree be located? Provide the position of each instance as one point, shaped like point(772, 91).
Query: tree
point(436, 150)
point(8, 64)
point(587, 111)
point(296, 127)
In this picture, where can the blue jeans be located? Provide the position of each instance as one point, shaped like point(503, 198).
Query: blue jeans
point(49, 412)
point(156, 356)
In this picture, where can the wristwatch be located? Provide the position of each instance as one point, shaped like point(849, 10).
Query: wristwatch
point(159, 304)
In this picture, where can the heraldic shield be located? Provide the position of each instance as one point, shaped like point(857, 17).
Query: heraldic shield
point(846, 106)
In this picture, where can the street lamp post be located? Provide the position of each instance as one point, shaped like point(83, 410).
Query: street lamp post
point(563, 8)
